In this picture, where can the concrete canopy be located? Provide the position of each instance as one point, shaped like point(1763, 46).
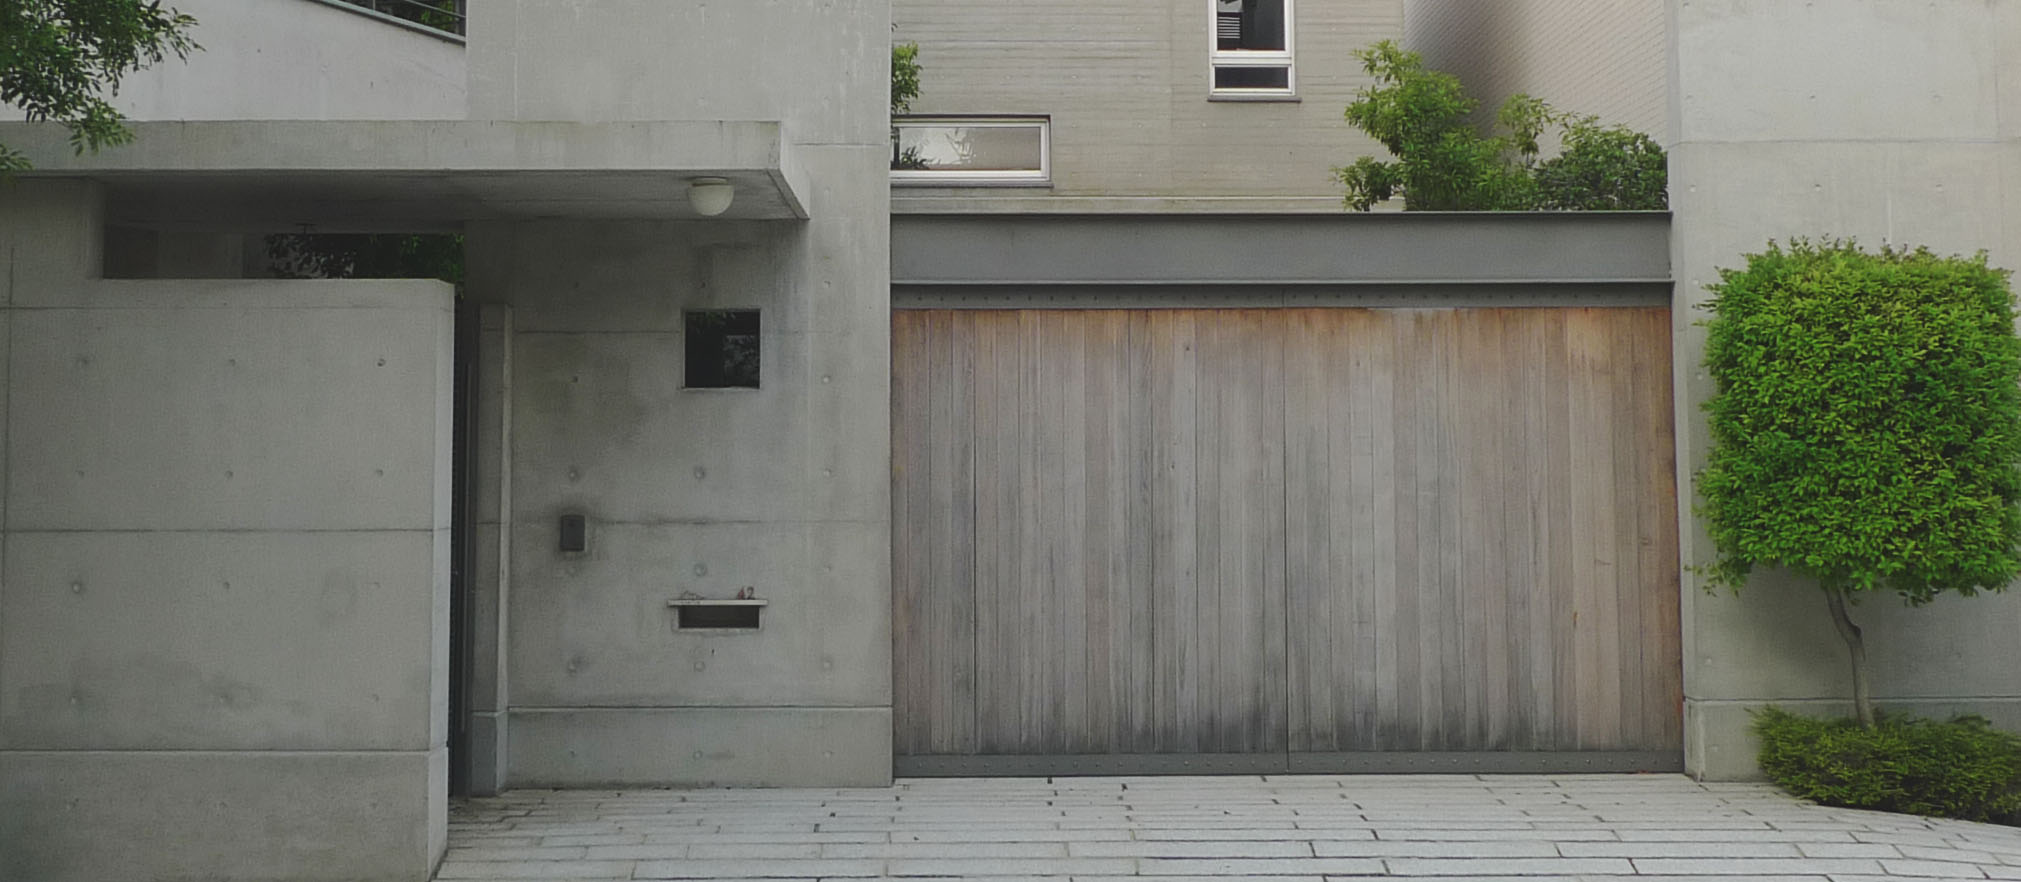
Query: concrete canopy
point(416, 175)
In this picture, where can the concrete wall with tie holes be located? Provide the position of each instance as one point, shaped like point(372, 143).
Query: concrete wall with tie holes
point(224, 610)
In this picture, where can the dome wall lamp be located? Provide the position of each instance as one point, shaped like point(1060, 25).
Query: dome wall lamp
point(711, 196)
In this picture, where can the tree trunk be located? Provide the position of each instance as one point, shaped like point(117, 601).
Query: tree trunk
point(1863, 696)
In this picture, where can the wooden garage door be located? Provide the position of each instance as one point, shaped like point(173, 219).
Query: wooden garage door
point(1300, 536)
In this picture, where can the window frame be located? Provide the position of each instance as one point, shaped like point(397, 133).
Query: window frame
point(1285, 59)
point(1039, 177)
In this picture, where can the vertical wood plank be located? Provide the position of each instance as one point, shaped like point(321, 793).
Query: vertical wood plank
point(1380, 518)
point(1100, 540)
point(1263, 337)
point(995, 521)
point(1520, 390)
point(1626, 425)
point(1067, 461)
point(1313, 721)
point(1491, 458)
point(940, 586)
point(1033, 644)
point(1144, 604)
point(1211, 636)
point(1414, 513)
point(1175, 510)
point(1662, 638)
point(909, 714)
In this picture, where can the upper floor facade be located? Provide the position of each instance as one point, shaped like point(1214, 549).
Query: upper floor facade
point(1133, 104)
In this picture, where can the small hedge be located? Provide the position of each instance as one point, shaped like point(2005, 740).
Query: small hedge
point(1962, 769)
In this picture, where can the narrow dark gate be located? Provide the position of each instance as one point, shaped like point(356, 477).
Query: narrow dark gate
point(462, 545)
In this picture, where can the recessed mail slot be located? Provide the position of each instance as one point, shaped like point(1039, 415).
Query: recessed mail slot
point(717, 615)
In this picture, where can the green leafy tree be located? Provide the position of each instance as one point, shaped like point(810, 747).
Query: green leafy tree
point(904, 88)
point(61, 59)
point(1443, 163)
point(904, 76)
point(1611, 168)
point(1866, 427)
point(366, 256)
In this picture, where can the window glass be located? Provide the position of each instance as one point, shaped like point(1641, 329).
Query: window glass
point(968, 148)
point(1249, 24)
point(1252, 78)
point(722, 349)
point(973, 150)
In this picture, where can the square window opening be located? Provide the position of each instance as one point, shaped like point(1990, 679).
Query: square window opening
point(1250, 47)
point(722, 349)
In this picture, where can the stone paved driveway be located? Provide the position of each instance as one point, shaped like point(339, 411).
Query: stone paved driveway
point(1279, 828)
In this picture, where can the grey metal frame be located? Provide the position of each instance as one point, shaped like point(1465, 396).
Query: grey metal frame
point(1227, 296)
point(390, 11)
point(1556, 258)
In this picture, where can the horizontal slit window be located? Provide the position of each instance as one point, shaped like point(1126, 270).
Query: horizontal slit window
point(962, 151)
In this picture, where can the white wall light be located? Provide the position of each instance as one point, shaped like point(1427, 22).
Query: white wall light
point(711, 196)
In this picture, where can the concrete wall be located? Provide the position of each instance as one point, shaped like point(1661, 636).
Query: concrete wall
point(297, 59)
point(1895, 122)
point(1126, 85)
point(223, 628)
point(1608, 59)
point(784, 489)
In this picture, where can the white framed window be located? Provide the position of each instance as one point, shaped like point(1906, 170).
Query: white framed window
point(971, 151)
point(1250, 49)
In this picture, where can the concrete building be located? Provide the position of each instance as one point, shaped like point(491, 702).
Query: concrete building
point(1078, 431)
point(227, 637)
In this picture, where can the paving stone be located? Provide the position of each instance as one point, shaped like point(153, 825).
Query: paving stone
point(488, 852)
point(1254, 834)
point(537, 870)
point(1896, 838)
point(962, 867)
point(1225, 878)
point(1754, 866)
point(1734, 836)
point(664, 852)
point(951, 849)
point(1848, 850)
point(1741, 878)
point(1465, 835)
point(594, 839)
point(753, 850)
point(1686, 850)
point(757, 869)
point(1937, 869)
point(1192, 849)
point(1509, 867)
point(1492, 848)
point(1008, 835)
point(712, 836)
point(1947, 853)
point(1310, 866)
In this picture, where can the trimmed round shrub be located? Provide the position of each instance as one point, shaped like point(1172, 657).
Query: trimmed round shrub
point(1867, 421)
point(1961, 769)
